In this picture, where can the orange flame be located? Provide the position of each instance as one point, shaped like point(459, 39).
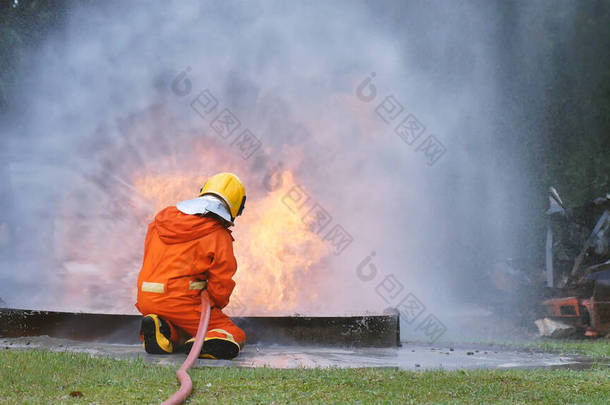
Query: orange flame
point(278, 254)
point(101, 224)
point(275, 251)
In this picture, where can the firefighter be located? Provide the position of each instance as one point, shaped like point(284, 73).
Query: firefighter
point(189, 248)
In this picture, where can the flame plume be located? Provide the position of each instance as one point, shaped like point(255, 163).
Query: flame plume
point(99, 234)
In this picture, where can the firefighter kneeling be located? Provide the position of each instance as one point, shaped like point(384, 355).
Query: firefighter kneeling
point(189, 248)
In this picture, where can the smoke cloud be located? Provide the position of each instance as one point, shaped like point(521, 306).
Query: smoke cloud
point(109, 110)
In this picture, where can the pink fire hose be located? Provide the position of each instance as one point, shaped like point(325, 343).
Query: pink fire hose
point(186, 384)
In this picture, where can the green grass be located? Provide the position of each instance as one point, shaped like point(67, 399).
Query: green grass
point(34, 376)
point(598, 349)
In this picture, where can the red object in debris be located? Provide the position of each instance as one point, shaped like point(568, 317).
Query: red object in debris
point(563, 307)
point(590, 332)
point(591, 314)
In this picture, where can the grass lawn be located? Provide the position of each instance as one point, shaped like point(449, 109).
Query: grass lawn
point(35, 376)
point(598, 349)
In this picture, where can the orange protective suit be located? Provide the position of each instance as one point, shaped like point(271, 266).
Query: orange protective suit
point(181, 253)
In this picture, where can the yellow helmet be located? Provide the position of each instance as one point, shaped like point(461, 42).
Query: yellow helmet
point(228, 187)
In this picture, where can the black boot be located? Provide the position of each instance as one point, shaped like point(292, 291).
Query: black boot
point(156, 334)
point(216, 347)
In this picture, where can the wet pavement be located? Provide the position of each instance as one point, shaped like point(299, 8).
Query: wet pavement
point(410, 356)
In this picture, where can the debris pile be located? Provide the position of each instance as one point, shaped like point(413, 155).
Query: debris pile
point(577, 269)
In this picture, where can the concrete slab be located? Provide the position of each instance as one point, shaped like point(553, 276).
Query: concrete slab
point(361, 331)
point(407, 357)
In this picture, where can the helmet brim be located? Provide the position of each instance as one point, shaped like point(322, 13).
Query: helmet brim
point(205, 204)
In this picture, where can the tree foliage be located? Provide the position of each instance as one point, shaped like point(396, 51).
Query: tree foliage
point(577, 114)
point(23, 26)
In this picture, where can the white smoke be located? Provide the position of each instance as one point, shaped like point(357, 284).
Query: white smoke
point(290, 72)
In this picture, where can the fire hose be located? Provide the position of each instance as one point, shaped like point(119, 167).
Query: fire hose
point(186, 384)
